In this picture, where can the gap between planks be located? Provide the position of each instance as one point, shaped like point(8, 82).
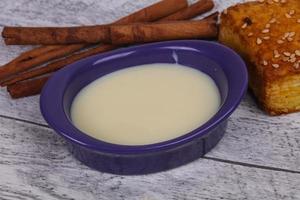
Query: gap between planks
point(249, 165)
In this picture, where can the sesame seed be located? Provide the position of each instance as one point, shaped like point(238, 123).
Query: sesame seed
point(298, 21)
point(266, 37)
point(276, 1)
point(292, 34)
point(265, 63)
point(293, 55)
point(292, 60)
point(290, 39)
point(280, 41)
point(296, 65)
point(297, 52)
point(275, 65)
point(258, 41)
point(250, 34)
point(265, 31)
point(287, 53)
point(244, 25)
point(283, 1)
point(276, 54)
point(291, 12)
point(268, 25)
point(288, 15)
point(286, 35)
point(272, 21)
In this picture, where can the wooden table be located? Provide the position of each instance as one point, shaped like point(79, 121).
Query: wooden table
point(259, 157)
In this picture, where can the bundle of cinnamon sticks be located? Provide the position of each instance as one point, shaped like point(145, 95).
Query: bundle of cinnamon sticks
point(61, 46)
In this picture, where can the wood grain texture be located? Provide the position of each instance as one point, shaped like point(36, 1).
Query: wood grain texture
point(251, 137)
point(35, 164)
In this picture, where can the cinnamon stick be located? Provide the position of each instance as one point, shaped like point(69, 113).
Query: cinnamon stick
point(36, 52)
point(192, 11)
point(34, 86)
point(214, 16)
point(31, 54)
point(27, 88)
point(146, 32)
point(85, 34)
point(153, 12)
point(162, 9)
point(15, 67)
point(55, 35)
point(56, 65)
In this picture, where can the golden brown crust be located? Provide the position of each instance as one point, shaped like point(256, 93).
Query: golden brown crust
point(267, 35)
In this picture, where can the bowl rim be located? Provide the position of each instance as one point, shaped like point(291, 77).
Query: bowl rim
point(78, 137)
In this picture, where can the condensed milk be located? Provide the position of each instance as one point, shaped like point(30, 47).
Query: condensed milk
point(145, 104)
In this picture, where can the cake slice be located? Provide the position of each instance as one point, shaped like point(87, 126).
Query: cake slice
point(267, 35)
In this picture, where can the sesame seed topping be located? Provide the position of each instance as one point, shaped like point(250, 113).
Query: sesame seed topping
point(280, 41)
point(272, 21)
point(283, 1)
point(258, 41)
point(287, 15)
point(276, 54)
point(265, 31)
point(290, 39)
point(265, 63)
point(296, 65)
point(275, 65)
point(250, 34)
point(292, 34)
point(292, 60)
point(276, 1)
point(291, 12)
point(298, 21)
point(293, 55)
point(286, 35)
point(297, 52)
point(244, 25)
point(287, 53)
point(266, 37)
point(268, 25)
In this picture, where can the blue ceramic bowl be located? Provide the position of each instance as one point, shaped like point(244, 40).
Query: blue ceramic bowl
point(221, 63)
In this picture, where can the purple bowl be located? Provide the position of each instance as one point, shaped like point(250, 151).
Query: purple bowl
point(221, 63)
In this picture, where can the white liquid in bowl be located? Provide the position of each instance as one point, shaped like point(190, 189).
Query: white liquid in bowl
point(145, 104)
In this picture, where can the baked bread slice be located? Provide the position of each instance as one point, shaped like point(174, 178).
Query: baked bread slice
point(267, 35)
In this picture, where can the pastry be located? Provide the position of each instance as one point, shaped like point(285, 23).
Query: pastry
point(266, 34)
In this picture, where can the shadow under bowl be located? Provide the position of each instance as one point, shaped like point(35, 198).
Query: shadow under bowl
point(222, 64)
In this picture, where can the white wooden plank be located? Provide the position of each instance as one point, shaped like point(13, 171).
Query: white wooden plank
point(35, 164)
point(254, 137)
